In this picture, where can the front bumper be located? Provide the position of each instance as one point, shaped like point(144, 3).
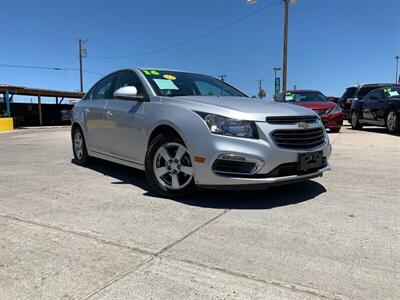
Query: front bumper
point(263, 150)
point(263, 183)
point(333, 120)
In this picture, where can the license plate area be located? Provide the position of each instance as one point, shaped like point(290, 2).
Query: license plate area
point(310, 160)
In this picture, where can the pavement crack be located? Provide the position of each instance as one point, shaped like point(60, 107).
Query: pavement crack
point(80, 234)
point(299, 288)
point(190, 233)
point(158, 254)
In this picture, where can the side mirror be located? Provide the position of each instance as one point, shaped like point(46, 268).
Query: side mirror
point(127, 93)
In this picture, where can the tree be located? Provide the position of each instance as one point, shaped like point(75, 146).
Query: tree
point(262, 94)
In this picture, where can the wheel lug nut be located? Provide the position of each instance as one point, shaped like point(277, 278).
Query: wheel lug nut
point(176, 161)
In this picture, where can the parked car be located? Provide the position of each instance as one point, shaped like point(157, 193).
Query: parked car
point(380, 107)
point(354, 93)
point(189, 130)
point(329, 112)
point(333, 99)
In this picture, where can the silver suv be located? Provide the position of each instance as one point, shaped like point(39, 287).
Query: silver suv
point(189, 130)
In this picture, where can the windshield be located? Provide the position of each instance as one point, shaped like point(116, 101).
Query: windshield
point(172, 83)
point(305, 97)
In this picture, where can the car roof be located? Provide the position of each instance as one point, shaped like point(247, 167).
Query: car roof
point(303, 91)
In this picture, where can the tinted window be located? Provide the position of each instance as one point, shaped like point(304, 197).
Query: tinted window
point(350, 92)
point(365, 90)
point(104, 87)
point(130, 78)
point(374, 93)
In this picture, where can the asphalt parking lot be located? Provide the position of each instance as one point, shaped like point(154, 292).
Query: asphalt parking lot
point(73, 232)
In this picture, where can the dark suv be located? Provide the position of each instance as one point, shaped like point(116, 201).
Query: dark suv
point(355, 93)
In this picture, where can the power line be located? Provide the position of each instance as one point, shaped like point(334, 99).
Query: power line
point(201, 36)
point(48, 68)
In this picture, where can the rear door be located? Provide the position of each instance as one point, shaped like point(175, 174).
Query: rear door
point(369, 105)
point(378, 111)
point(93, 112)
point(125, 137)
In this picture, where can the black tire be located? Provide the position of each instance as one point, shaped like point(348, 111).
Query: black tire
point(355, 122)
point(392, 121)
point(81, 155)
point(158, 184)
point(335, 130)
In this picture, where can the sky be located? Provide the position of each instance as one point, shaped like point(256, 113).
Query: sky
point(333, 44)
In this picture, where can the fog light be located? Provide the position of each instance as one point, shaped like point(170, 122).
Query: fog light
point(199, 159)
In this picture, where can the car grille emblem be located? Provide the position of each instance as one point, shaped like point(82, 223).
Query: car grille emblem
point(303, 125)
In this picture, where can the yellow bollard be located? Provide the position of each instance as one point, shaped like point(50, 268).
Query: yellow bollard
point(6, 124)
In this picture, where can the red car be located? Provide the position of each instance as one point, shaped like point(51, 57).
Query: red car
point(329, 112)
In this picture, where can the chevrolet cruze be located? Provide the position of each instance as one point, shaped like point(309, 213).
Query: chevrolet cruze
point(189, 130)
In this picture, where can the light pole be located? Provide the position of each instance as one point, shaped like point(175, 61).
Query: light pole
point(397, 69)
point(285, 39)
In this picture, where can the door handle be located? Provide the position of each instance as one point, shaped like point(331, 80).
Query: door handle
point(86, 111)
point(109, 114)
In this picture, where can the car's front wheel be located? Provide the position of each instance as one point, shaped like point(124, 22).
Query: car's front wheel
point(355, 122)
point(392, 122)
point(169, 169)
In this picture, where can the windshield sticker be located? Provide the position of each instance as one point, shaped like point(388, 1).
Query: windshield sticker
point(152, 72)
point(170, 77)
point(289, 97)
point(165, 84)
point(393, 93)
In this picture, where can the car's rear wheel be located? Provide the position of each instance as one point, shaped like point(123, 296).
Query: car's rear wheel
point(355, 122)
point(169, 169)
point(393, 122)
point(79, 147)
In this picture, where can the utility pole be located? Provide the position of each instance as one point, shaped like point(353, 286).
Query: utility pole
point(285, 47)
point(285, 39)
point(397, 69)
point(222, 77)
point(82, 54)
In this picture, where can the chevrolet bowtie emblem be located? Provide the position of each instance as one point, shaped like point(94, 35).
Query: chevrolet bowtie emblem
point(303, 125)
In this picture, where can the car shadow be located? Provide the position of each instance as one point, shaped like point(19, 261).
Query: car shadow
point(381, 130)
point(218, 199)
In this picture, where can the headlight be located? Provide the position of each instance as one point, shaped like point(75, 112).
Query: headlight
point(230, 127)
point(334, 110)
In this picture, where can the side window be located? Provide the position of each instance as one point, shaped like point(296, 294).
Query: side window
point(104, 87)
point(129, 78)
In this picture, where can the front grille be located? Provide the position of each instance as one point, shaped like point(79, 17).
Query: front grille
point(299, 138)
point(233, 167)
point(291, 119)
point(321, 112)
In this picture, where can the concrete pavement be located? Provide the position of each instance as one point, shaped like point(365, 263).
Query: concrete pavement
point(98, 232)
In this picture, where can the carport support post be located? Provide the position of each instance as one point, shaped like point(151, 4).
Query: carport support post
point(7, 99)
point(40, 111)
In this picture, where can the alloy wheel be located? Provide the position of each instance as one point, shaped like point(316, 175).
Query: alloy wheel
point(391, 121)
point(78, 144)
point(172, 166)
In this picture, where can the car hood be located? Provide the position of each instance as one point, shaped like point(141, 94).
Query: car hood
point(238, 107)
point(317, 105)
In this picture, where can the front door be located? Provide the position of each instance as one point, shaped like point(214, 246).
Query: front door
point(125, 137)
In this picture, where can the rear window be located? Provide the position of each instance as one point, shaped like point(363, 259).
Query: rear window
point(350, 92)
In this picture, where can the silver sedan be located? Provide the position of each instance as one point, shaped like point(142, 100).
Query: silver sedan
point(189, 130)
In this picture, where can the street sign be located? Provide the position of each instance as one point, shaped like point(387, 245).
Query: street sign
point(277, 85)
